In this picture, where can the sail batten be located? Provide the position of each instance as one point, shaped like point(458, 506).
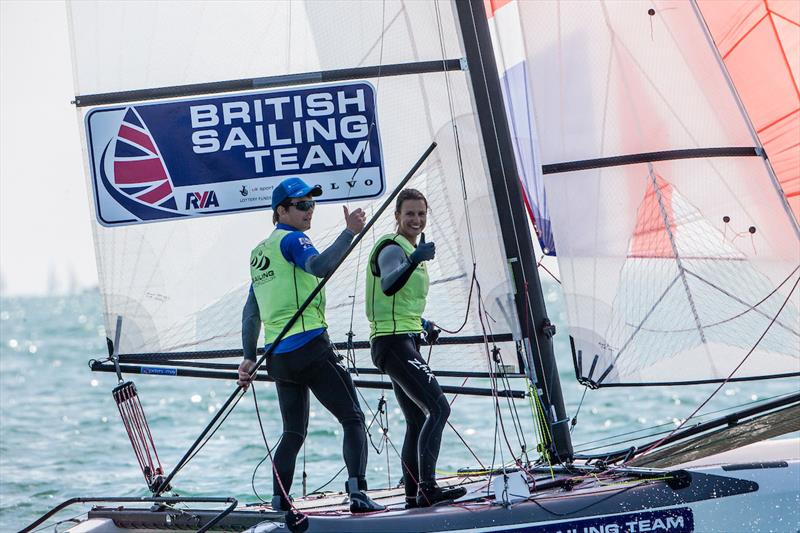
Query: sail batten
point(651, 157)
point(285, 80)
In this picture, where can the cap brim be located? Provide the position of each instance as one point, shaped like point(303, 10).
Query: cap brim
point(316, 190)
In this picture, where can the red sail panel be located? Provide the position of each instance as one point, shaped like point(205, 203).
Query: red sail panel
point(651, 237)
point(493, 5)
point(760, 43)
point(139, 171)
point(159, 193)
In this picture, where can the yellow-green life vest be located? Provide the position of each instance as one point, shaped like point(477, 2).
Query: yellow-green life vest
point(401, 312)
point(281, 288)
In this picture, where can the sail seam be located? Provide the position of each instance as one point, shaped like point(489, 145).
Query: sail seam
point(671, 235)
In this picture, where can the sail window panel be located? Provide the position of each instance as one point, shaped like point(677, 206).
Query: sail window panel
point(637, 83)
point(673, 270)
point(180, 285)
point(128, 45)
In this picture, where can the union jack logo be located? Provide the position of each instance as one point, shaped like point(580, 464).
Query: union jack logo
point(139, 171)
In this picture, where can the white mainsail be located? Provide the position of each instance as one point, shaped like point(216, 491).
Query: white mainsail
point(179, 285)
point(673, 263)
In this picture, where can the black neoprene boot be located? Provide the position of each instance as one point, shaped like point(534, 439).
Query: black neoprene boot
point(430, 494)
point(411, 489)
point(359, 501)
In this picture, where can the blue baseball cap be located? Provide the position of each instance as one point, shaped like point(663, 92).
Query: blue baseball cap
point(293, 188)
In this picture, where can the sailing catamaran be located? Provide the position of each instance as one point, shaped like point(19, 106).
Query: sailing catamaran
point(615, 124)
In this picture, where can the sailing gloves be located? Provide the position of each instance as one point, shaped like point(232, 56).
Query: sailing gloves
point(425, 251)
point(431, 331)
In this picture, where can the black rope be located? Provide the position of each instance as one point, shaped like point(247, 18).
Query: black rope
point(469, 301)
point(266, 444)
point(331, 480)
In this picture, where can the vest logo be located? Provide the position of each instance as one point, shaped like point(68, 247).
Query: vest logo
point(260, 264)
point(201, 200)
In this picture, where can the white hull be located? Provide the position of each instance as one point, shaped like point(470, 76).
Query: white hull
point(766, 475)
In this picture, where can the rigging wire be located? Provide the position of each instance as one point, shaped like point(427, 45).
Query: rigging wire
point(512, 408)
point(704, 415)
point(331, 480)
point(574, 421)
point(466, 313)
point(351, 359)
point(572, 512)
point(239, 394)
point(497, 359)
point(456, 141)
point(55, 525)
point(498, 420)
point(541, 265)
point(736, 369)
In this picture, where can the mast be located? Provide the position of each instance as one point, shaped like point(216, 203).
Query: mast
point(540, 358)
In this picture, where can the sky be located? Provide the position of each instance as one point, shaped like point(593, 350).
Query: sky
point(45, 234)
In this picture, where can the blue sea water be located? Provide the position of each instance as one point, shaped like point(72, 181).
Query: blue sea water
point(61, 437)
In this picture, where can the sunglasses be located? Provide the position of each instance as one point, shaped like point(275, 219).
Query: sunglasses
point(304, 205)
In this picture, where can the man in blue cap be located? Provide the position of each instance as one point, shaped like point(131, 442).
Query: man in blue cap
point(284, 269)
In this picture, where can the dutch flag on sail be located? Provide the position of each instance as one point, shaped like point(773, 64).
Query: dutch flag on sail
point(139, 171)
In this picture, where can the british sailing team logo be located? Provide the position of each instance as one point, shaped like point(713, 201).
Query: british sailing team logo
point(218, 155)
point(140, 181)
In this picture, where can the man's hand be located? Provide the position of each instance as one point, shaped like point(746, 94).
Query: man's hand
point(425, 251)
point(356, 220)
point(245, 367)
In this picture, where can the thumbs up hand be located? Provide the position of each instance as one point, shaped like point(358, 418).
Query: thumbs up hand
point(425, 251)
point(356, 220)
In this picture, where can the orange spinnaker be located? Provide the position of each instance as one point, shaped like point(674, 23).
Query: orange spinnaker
point(759, 40)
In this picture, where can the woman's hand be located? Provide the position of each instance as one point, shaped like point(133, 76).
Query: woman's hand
point(425, 251)
point(431, 331)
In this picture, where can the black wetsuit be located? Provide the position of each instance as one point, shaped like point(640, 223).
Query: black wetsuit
point(419, 395)
point(315, 367)
point(422, 401)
